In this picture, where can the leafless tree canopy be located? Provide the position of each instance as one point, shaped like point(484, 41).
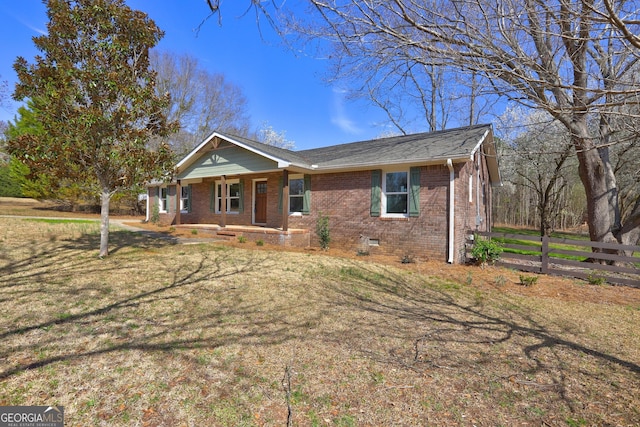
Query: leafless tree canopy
point(201, 101)
point(577, 60)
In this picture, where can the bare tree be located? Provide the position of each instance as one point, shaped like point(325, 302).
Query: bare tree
point(538, 150)
point(570, 59)
point(201, 101)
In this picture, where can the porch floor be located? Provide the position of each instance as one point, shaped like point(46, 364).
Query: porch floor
point(296, 237)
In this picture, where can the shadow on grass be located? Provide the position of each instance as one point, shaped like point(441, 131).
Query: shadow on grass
point(452, 328)
point(39, 258)
point(45, 268)
point(200, 300)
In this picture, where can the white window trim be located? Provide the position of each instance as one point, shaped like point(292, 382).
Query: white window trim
point(160, 199)
point(383, 195)
point(293, 177)
point(228, 182)
point(182, 208)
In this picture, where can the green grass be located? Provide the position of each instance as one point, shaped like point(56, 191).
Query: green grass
point(552, 246)
point(536, 233)
point(537, 245)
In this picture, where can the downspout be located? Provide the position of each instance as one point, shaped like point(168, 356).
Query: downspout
point(478, 188)
point(148, 203)
point(452, 176)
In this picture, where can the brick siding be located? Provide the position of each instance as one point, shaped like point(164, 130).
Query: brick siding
point(346, 197)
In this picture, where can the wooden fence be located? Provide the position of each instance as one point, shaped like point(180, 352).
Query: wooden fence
point(542, 257)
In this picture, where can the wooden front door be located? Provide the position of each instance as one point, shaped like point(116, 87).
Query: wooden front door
point(261, 203)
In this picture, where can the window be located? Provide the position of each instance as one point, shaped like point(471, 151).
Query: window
point(296, 194)
point(299, 194)
point(234, 196)
point(185, 198)
point(163, 202)
point(395, 193)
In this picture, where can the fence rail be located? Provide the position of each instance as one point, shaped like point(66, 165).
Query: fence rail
point(551, 255)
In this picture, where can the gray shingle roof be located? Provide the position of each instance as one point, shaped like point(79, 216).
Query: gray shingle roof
point(422, 147)
point(429, 147)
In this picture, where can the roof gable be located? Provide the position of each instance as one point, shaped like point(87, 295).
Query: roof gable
point(227, 159)
point(283, 158)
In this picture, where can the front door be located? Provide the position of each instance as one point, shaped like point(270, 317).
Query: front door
point(260, 207)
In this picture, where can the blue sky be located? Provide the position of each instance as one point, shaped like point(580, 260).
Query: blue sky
point(283, 89)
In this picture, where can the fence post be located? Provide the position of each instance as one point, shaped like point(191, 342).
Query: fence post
point(544, 267)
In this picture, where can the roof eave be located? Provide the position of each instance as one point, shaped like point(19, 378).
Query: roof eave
point(387, 165)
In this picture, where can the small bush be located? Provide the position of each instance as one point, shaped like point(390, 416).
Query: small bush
point(259, 242)
point(322, 230)
point(500, 280)
point(407, 259)
point(485, 251)
point(596, 280)
point(528, 280)
point(155, 214)
point(194, 231)
point(242, 239)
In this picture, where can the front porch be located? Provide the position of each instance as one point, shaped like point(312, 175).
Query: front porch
point(293, 237)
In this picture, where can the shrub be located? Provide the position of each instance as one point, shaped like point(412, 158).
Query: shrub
point(155, 214)
point(260, 242)
point(242, 239)
point(485, 251)
point(322, 230)
point(194, 231)
point(528, 280)
point(596, 280)
point(500, 280)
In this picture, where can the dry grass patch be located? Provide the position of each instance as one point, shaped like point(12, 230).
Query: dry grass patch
point(160, 334)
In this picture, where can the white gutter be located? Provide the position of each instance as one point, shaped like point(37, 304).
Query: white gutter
point(452, 176)
point(479, 144)
point(147, 218)
point(478, 188)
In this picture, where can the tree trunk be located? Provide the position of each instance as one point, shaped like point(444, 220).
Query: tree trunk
point(629, 234)
point(594, 178)
point(612, 189)
point(545, 225)
point(105, 198)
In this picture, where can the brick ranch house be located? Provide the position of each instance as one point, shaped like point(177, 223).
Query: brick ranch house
point(414, 195)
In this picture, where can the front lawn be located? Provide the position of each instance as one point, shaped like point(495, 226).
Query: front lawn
point(229, 335)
